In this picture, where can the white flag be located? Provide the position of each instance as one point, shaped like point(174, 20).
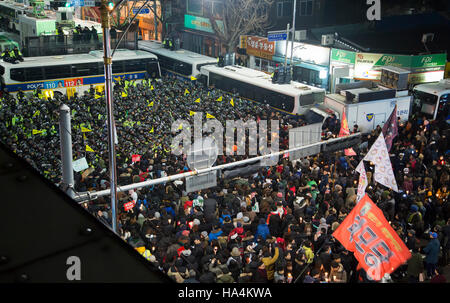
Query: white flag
point(362, 183)
point(378, 154)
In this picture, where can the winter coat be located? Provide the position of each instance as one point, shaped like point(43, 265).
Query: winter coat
point(225, 278)
point(338, 275)
point(432, 251)
point(415, 265)
point(269, 263)
point(262, 230)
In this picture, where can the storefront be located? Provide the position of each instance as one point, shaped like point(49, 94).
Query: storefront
point(260, 52)
point(311, 62)
point(198, 36)
point(342, 67)
point(424, 68)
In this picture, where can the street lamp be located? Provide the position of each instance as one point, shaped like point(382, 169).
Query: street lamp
point(105, 8)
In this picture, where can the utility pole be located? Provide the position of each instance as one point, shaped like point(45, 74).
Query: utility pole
point(65, 137)
point(293, 34)
point(285, 53)
point(105, 8)
point(156, 20)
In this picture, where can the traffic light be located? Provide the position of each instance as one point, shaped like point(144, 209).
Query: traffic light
point(110, 5)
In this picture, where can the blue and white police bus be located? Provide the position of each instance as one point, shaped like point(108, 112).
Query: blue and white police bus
point(59, 73)
point(293, 98)
point(181, 62)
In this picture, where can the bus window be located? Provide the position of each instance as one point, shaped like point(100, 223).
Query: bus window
point(424, 103)
point(58, 71)
point(85, 69)
point(34, 74)
point(2, 70)
point(182, 68)
point(17, 74)
point(134, 66)
point(117, 67)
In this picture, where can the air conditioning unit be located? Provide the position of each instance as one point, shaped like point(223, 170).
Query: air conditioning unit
point(327, 39)
point(300, 35)
point(394, 77)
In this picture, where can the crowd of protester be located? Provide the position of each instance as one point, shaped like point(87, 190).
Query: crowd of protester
point(274, 225)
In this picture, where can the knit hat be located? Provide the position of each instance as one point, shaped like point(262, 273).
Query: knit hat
point(414, 208)
point(235, 252)
point(246, 219)
point(196, 222)
point(204, 234)
point(185, 233)
point(239, 215)
point(433, 235)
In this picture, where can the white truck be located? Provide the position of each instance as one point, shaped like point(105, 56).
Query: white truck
point(368, 104)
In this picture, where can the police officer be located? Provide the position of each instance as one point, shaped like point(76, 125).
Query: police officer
point(17, 55)
point(6, 56)
point(76, 34)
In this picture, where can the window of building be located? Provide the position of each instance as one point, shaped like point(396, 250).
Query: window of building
point(195, 7)
point(306, 7)
point(284, 9)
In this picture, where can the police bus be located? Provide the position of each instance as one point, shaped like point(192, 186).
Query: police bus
point(257, 86)
point(181, 62)
point(431, 99)
point(76, 72)
point(9, 14)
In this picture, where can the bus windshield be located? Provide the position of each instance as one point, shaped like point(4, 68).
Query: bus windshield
point(424, 103)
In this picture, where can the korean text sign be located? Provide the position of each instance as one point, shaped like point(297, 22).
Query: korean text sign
point(376, 246)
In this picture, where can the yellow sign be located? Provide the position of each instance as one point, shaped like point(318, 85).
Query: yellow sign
point(89, 149)
point(219, 99)
point(209, 116)
point(197, 101)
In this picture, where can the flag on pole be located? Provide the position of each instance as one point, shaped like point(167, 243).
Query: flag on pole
point(362, 183)
point(197, 100)
point(390, 128)
point(89, 149)
point(152, 130)
point(193, 78)
point(378, 154)
point(219, 99)
point(150, 104)
point(346, 132)
point(186, 92)
point(375, 244)
point(232, 102)
point(35, 131)
point(191, 113)
point(209, 116)
point(85, 129)
point(97, 96)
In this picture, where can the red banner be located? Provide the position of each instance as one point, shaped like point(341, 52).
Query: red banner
point(376, 246)
point(344, 131)
point(129, 205)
